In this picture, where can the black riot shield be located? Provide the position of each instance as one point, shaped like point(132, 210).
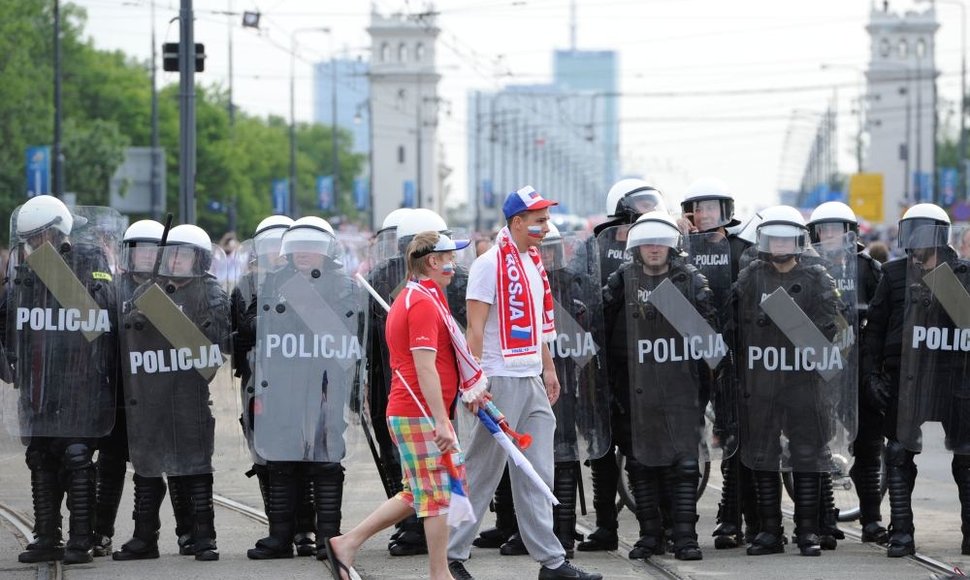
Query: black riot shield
point(673, 347)
point(174, 341)
point(61, 335)
point(305, 357)
point(792, 341)
point(582, 411)
point(934, 380)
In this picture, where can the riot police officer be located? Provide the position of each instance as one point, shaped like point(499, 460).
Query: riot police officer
point(708, 206)
point(910, 381)
point(787, 343)
point(304, 326)
point(626, 201)
point(58, 320)
point(828, 226)
point(644, 302)
point(266, 243)
point(175, 332)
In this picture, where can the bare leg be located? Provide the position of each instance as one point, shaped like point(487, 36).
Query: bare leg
point(436, 531)
point(345, 547)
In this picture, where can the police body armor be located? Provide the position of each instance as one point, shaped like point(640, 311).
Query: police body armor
point(61, 332)
point(934, 380)
point(175, 339)
point(673, 345)
point(582, 413)
point(792, 344)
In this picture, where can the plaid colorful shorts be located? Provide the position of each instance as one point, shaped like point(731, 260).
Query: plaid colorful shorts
point(426, 480)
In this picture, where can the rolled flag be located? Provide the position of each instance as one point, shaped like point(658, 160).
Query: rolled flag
point(460, 509)
point(516, 456)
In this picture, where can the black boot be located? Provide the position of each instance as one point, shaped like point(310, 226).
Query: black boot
point(110, 485)
point(961, 476)
point(305, 520)
point(280, 513)
point(645, 487)
point(199, 489)
point(505, 523)
point(727, 534)
point(749, 503)
point(328, 495)
point(81, 497)
point(564, 514)
point(770, 540)
point(48, 545)
point(684, 477)
point(182, 508)
point(900, 478)
point(143, 545)
point(866, 479)
point(828, 523)
point(606, 476)
point(807, 495)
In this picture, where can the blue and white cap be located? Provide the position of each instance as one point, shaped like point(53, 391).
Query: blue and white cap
point(445, 244)
point(525, 199)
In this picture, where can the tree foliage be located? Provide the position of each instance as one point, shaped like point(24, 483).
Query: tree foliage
point(107, 107)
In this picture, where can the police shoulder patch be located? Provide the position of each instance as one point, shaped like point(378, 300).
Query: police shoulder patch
point(101, 276)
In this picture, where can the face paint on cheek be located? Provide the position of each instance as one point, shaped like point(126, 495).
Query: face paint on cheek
point(535, 231)
point(448, 269)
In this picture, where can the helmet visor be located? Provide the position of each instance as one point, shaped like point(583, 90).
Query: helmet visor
point(139, 256)
point(181, 261)
point(643, 201)
point(781, 239)
point(921, 233)
point(709, 214)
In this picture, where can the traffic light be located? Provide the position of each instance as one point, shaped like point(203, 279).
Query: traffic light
point(170, 57)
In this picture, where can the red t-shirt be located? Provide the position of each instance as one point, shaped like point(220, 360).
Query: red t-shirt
point(415, 323)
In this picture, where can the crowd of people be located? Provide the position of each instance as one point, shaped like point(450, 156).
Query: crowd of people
point(773, 345)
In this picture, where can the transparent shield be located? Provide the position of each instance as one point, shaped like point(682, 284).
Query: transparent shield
point(792, 348)
point(174, 343)
point(61, 335)
point(306, 356)
point(582, 411)
point(934, 384)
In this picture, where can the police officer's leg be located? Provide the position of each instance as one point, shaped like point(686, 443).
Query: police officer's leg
point(961, 475)
point(770, 540)
point(305, 518)
point(564, 514)
point(149, 494)
point(45, 487)
point(866, 474)
point(78, 467)
point(828, 518)
point(328, 495)
point(111, 475)
point(280, 509)
point(727, 534)
point(900, 478)
point(645, 487)
point(182, 508)
point(807, 487)
point(685, 474)
point(199, 490)
point(505, 523)
point(606, 473)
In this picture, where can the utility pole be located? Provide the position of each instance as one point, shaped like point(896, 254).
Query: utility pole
point(156, 178)
point(58, 189)
point(187, 113)
point(232, 109)
point(334, 161)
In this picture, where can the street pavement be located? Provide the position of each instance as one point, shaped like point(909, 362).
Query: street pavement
point(935, 501)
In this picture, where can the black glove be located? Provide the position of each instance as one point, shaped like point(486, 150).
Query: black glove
point(877, 392)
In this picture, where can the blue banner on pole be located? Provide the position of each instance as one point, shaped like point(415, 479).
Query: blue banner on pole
point(325, 199)
point(361, 193)
point(948, 185)
point(281, 196)
point(923, 186)
point(408, 194)
point(488, 193)
point(38, 170)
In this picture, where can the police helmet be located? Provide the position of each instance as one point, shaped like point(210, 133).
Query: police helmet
point(143, 235)
point(708, 189)
point(632, 198)
point(925, 225)
point(311, 235)
point(40, 214)
point(834, 214)
point(184, 241)
point(553, 254)
point(778, 223)
point(655, 228)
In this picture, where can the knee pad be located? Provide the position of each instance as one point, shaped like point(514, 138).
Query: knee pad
point(636, 469)
point(686, 468)
point(803, 455)
point(329, 470)
point(78, 456)
point(39, 459)
point(897, 455)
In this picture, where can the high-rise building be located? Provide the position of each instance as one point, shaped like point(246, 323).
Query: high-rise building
point(352, 94)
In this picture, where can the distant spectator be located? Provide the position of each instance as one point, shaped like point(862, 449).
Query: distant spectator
point(879, 251)
point(482, 246)
point(230, 264)
point(964, 247)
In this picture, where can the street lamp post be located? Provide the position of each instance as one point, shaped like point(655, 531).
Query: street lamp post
point(860, 111)
point(294, 213)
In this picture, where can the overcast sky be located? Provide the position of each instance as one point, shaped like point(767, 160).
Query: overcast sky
point(714, 57)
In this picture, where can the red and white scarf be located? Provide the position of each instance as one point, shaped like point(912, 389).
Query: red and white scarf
point(517, 326)
point(470, 374)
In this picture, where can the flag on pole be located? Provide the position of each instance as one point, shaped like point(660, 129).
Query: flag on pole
point(516, 456)
point(460, 509)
